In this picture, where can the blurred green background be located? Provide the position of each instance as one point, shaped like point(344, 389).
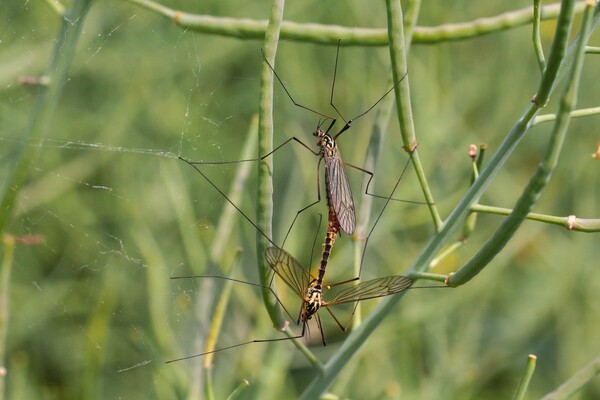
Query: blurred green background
point(119, 215)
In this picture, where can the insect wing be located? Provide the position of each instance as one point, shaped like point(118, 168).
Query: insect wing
point(288, 269)
point(339, 193)
point(371, 289)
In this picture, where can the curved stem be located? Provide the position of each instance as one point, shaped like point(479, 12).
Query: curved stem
point(246, 28)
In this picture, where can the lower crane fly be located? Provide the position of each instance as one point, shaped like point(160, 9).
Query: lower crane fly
point(310, 290)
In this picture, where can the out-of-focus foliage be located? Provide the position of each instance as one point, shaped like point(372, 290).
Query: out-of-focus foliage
point(119, 216)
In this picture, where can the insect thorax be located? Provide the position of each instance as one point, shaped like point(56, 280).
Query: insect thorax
point(325, 142)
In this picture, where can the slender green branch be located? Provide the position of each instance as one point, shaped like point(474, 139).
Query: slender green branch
point(584, 112)
point(265, 168)
point(312, 359)
point(428, 276)
point(403, 103)
point(592, 50)
point(526, 378)
point(411, 16)
point(215, 329)
point(238, 390)
point(245, 28)
point(217, 319)
point(382, 118)
point(537, 41)
point(209, 390)
point(559, 48)
point(158, 303)
point(544, 172)
point(8, 243)
point(570, 222)
point(445, 253)
point(576, 382)
point(43, 111)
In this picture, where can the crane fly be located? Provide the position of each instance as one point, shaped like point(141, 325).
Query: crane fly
point(337, 185)
point(310, 289)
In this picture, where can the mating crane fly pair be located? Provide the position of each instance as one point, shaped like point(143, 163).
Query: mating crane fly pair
point(341, 216)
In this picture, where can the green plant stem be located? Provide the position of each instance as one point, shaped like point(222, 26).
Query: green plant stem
point(537, 41)
point(209, 391)
point(592, 50)
point(312, 359)
point(544, 172)
point(5, 273)
point(524, 384)
point(218, 316)
point(43, 110)
point(403, 104)
point(411, 16)
point(158, 302)
point(584, 112)
point(245, 28)
point(445, 253)
point(428, 276)
point(265, 167)
point(570, 222)
point(215, 329)
point(382, 118)
point(559, 48)
point(238, 390)
point(576, 382)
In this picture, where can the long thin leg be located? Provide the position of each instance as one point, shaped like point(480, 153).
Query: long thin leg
point(316, 153)
point(237, 281)
point(288, 93)
point(194, 164)
point(337, 55)
point(379, 217)
point(236, 345)
point(371, 176)
point(318, 319)
point(311, 204)
point(229, 200)
point(342, 327)
point(349, 122)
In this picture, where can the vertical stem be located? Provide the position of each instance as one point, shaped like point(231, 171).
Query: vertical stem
point(537, 41)
point(524, 384)
point(265, 168)
point(559, 47)
point(43, 110)
point(5, 272)
point(403, 105)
